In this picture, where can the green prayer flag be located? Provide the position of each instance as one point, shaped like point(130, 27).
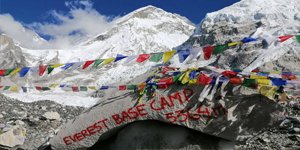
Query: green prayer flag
point(6, 88)
point(176, 78)
point(8, 71)
point(97, 62)
point(131, 87)
point(220, 48)
point(156, 57)
point(250, 83)
point(50, 69)
point(45, 88)
point(298, 38)
point(83, 88)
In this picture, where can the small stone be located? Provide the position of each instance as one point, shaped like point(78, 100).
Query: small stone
point(19, 122)
point(52, 115)
point(2, 125)
point(1, 116)
point(44, 108)
point(266, 140)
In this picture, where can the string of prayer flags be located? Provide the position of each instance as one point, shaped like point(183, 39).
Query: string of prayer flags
point(142, 58)
point(168, 55)
point(207, 51)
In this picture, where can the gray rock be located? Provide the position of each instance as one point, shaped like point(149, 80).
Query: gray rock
point(13, 137)
point(52, 115)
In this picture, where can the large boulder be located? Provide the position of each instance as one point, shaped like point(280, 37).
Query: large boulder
point(230, 117)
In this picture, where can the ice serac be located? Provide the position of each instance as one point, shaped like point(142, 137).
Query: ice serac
point(257, 18)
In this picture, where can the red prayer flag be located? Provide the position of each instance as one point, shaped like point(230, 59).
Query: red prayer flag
point(204, 79)
point(87, 64)
point(122, 87)
point(42, 69)
point(165, 83)
point(142, 58)
point(207, 51)
point(229, 74)
point(75, 89)
point(284, 38)
point(236, 81)
point(2, 72)
point(39, 88)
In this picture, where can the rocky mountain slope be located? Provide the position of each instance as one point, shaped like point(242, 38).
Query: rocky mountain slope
point(256, 18)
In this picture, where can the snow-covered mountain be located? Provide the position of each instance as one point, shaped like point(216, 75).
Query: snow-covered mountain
point(146, 30)
point(258, 18)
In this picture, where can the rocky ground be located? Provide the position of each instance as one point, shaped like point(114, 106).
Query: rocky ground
point(285, 136)
point(29, 125)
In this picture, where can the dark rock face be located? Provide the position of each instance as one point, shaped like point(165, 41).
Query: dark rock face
point(159, 135)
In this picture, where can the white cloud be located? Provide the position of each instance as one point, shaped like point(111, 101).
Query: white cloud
point(79, 24)
point(16, 30)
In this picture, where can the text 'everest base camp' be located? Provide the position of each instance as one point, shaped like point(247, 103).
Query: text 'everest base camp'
point(230, 82)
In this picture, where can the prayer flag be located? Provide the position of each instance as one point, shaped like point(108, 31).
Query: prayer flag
point(83, 88)
point(24, 71)
point(16, 70)
point(204, 80)
point(87, 64)
point(97, 62)
point(284, 38)
point(278, 82)
point(156, 57)
point(168, 55)
point(234, 44)
point(142, 58)
point(119, 57)
point(9, 71)
point(250, 83)
point(67, 66)
point(108, 60)
point(75, 89)
point(122, 87)
point(219, 49)
point(297, 38)
point(248, 39)
point(42, 69)
point(2, 72)
point(207, 51)
point(183, 54)
point(104, 87)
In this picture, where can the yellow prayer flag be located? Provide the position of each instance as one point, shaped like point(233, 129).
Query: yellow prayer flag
point(268, 91)
point(254, 76)
point(193, 81)
point(108, 60)
point(56, 65)
point(168, 55)
point(234, 43)
point(14, 89)
point(263, 81)
point(15, 71)
point(92, 87)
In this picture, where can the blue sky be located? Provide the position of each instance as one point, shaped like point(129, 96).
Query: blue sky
point(62, 22)
point(29, 11)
